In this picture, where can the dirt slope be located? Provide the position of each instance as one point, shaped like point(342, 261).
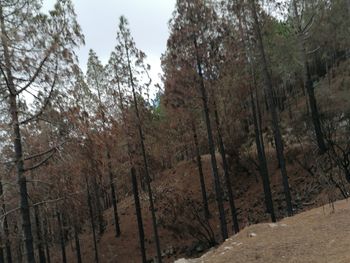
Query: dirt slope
point(320, 235)
point(184, 179)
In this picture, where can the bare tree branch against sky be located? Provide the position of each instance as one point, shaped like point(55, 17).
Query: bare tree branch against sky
point(148, 22)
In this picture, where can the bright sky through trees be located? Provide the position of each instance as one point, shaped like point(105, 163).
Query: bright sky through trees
point(148, 22)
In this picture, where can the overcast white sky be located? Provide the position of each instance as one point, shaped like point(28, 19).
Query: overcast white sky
point(148, 21)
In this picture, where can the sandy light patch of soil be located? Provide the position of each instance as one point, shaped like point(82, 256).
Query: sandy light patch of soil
point(319, 235)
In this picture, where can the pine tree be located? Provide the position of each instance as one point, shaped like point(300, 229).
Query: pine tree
point(272, 108)
point(134, 65)
point(34, 48)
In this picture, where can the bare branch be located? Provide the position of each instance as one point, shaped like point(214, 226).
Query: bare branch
point(45, 103)
point(39, 164)
point(36, 74)
point(38, 154)
point(308, 24)
point(46, 152)
point(5, 77)
point(37, 204)
point(39, 181)
point(313, 51)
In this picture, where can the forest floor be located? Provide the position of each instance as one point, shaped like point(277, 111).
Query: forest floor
point(183, 180)
point(319, 235)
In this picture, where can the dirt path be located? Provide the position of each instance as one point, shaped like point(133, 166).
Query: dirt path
point(320, 235)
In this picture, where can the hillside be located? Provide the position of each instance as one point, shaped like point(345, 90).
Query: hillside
point(249, 195)
point(318, 235)
point(320, 238)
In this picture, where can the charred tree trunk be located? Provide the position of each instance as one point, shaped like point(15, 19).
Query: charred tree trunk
point(47, 238)
point(218, 189)
point(200, 172)
point(41, 251)
point(92, 220)
point(143, 150)
point(97, 201)
point(2, 256)
point(315, 116)
point(314, 110)
point(110, 172)
point(62, 239)
point(262, 162)
point(7, 241)
point(17, 145)
point(113, 196)
point(77, 245)
point(348, 6)
point(259, 139)
point(6, 238)
point(273, 111)
point(138, 214)
point(235, 225)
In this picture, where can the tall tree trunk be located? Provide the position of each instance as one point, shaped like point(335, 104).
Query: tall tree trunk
point(19, 248)
point(62, 240)
point(92, 220)
point(2, 256)
point(262, 161)
point(134, 182)
point(95, 196)
point(97, 201)
point(22, 181)
point(143, 150)
point(348, 6)
point(41, 251)
point(257, 121)
point(308, 82)
point(17, 144)
point(138, 215)
point(218, 190)
point(200, 172)
point(77, 245)
point(7, 241)
point(110, 172)
point(47, 244)
point(113, 196)
point(235, 225)
point(6, 238)
point(273, 111)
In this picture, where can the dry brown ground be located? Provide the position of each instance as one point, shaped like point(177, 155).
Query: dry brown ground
point(320, 235)
point(184, 179)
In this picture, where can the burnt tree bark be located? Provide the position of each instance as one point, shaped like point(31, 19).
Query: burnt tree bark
point(17, 144)
point(6, 238)
point(47, 239)
point(215, 173)
point(262, 161)
point(92, 220)
point(143, 150)
point(200, 172)
point(273, 111)
point(39, 236)
point(309, 84)
point(113, 196)
point(235, 225)
point(2, 256)
point(77, 245)
point(62, 239)
point(110, 171)
point(138, 215)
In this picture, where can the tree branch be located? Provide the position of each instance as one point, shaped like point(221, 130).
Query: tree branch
point(39, 164)
point(45, 103)
point(5, 77)
point(36, 74)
